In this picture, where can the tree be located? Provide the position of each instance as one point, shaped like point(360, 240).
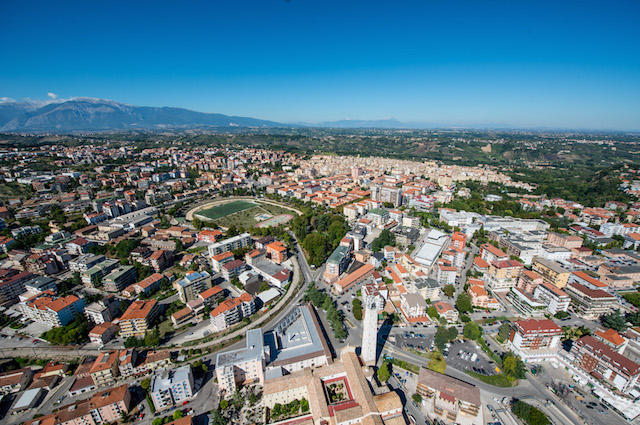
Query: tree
point(503, 332)
point(449, 290)
point(357, 309)
point(472, 331)
point(437, 363)
point(513, 366)
point(177, 415)
point(614, 321)
point(224, 404)
point(463, 303)
point(383, 372)
point(304, 404)
point(561, 315)
point(157, 421)
point(264, 286)
point(529, 414)
point(417, 398)
point(433, 312)
point(464, 318)
point(197, 223)
point(145, 384)
point(386, 238)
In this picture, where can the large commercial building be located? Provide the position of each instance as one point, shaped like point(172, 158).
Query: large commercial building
point(171, 387)
point(297, 342)
point(191, 285)
point(356, 405)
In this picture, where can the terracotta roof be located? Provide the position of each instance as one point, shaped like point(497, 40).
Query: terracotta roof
point(593, 281)
point(210, 292)
point(222, 256)
point(495, 251)
point(601, 350)
point(480, 263)
point(533, 326)
point(139, 310)
point(612, 336)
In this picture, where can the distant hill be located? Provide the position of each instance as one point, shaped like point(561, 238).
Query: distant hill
point(87, 114)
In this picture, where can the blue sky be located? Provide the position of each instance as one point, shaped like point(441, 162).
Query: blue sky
point(567, 64)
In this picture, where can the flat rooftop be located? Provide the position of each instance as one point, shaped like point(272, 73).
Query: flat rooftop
point(297, 336)
point(253, 351)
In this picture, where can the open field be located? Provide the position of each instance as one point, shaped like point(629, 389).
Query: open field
point(224, 210)
point(246, 217)
point(276, 221)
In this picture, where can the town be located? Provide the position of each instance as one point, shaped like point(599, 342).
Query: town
point(191, 285)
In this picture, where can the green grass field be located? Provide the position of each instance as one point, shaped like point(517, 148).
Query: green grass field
point(223, 210)
point(245, 217)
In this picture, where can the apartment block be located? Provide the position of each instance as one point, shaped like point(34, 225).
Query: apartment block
point(535, 340)
point(104, 370)
point(120, 278)
point(232, 311)
point(589, 303)
point(242, 365)
point(603, 363)
point(50, 310)
point(231, 244)
point(555, 299)
point(136, 321)
point(191, 285)
point(551, 271)
point(171, 387)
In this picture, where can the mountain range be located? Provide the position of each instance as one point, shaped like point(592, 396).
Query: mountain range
point(89, 114)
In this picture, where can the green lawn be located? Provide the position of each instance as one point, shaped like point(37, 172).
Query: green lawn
point(223, 210)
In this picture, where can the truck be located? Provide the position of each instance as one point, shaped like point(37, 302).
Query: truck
point(474, 357)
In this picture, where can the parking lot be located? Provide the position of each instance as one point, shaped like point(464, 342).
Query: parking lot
point(416, 340)
point(464, 355)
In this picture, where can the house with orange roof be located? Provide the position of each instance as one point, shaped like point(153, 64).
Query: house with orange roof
point(613, 339)
point(349, 281)
point(528, 280)
point(480, 298)
point(480, 265)
point(490, 253)
point(103, 332)
point(210, 236)
point(447, 311)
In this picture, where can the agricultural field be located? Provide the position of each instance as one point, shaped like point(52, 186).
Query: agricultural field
point(224, 210)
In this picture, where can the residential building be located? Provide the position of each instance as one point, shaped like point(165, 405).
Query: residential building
point(535, 340)
point(490, 253)
point(221, 259)
point(277, 252)
point(555, 299)
point(211, 296)
point(50, 310)
point(120, 278)
point(551, 272)
point(413, 306)
point(503, 274)
point(565, 241)
point(231, 244)
point(525, 304)
point(447, 311)
point(12, 284)
point(242, 366)
point(480, 298)
point(613, 339)
point(603, 363)
point(137, 319)
point(449, 399)
point(209, 236)
point(528, 280)
point(191, 285)
point(103, 333)
point(105, 369)
point(232, 311)
point(104, 407)
point(84, 262)
point(170, 388)
point(589, 303)
point(233, 269)
point(337, 263)
point(147, 285)
point(102, 311)
point(161, 259)
point(15, 380)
